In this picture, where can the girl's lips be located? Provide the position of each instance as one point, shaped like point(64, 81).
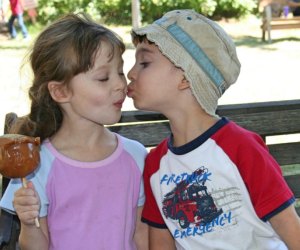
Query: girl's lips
point(119, 103)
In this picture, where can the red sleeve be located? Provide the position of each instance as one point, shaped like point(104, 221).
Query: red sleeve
point(260, 172)
point(151, 214)
point(263, 178)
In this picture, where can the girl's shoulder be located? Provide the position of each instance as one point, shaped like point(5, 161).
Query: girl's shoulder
point(131, 144)
point(136, 149)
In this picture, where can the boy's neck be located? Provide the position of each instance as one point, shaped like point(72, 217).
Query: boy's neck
point(188, 127)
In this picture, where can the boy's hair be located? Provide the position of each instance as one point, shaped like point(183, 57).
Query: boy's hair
point(200, 47)
point(63, 50)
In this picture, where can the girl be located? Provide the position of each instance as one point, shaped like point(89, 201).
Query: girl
point(87, 190)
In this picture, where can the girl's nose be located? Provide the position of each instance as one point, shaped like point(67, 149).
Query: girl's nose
point(120, 82)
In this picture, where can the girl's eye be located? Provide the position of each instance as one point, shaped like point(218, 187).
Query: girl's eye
point(144, 64)
point(121, 73)
point(103, 79)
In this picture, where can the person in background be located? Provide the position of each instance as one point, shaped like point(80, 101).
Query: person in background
point(294, 6)
point(32, 13)
point(17, 13)
point(2, 15)
point(88, 190)
point(30, 6)
point(211, 184)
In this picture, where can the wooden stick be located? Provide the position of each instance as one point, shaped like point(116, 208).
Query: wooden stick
point(24, 182)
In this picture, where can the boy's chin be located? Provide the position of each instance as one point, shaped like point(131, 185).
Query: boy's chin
point(138, 105)
point(144, 107)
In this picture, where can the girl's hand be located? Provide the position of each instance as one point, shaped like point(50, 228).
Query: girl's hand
point(27, 204)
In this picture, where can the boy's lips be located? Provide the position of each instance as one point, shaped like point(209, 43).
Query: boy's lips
point(129, 92)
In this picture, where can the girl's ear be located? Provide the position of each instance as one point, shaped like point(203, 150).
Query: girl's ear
point(184, 84)
point(58, 91)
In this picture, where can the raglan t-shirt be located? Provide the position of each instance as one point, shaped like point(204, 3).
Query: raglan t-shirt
point(216, 192)
point(89, 205)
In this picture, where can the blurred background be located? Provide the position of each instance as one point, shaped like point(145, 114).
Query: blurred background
point(269, 70)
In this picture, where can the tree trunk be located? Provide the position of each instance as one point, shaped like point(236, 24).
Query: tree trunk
point(135, 10)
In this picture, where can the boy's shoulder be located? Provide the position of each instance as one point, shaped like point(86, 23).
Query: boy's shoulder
point(160, 150)
point(238, 142)
point(155, 155)
point(236, 133)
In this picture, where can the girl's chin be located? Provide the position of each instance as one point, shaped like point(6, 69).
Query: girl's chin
point(114, 120)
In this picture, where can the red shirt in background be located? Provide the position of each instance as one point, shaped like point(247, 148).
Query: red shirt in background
point(16, 7)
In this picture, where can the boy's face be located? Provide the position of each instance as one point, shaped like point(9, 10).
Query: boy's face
point(154, 79)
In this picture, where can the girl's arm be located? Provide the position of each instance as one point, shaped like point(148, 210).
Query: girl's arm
point(34, 238)
point(27, 205)
point(141, 235)
point(287, 226)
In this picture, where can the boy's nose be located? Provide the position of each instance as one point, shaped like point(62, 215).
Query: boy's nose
point(130, 74)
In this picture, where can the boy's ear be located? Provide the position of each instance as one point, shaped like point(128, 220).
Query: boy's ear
point(184, 84)
point(58, 91)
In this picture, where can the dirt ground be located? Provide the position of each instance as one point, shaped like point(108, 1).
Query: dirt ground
point(269, 72)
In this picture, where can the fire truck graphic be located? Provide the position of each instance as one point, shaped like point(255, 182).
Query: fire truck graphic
point(189, 202)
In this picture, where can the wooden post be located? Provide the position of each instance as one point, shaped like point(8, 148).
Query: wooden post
point(268, 13)
point(135, 10)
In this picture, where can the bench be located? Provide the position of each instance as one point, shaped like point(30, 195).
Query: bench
point(270, 23)
point(266, 118)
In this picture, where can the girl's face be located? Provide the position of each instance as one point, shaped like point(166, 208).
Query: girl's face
point(153, 79)
point(98, 94)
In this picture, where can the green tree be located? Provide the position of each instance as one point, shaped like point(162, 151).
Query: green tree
point(51, 10)
point(119, 11)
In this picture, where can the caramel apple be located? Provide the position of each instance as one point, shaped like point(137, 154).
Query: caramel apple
point(19, 155)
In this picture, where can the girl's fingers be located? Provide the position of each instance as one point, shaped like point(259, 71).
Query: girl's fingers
point(26, 203)
point(28, 218)
point(25, 200)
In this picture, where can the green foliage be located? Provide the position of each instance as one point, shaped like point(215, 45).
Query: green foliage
point(51, 10)
point(119, 11)
point(233, 8)
point(115, 11)
point(214, 9)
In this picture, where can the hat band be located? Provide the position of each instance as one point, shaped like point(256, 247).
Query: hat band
point(197, 54)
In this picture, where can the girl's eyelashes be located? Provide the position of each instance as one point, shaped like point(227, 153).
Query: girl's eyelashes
point(103, 79)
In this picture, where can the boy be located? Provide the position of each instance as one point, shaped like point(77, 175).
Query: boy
point(211, 184)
